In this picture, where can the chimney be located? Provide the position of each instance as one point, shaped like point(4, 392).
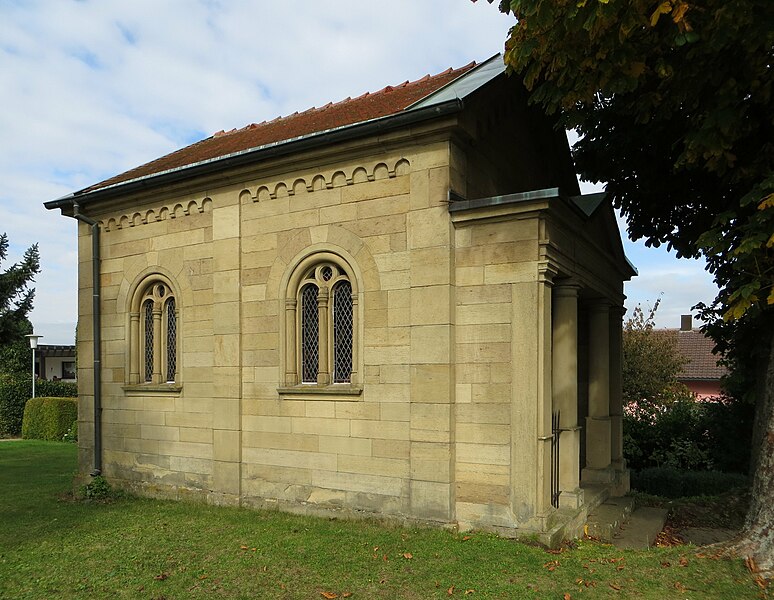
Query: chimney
point(686, 323)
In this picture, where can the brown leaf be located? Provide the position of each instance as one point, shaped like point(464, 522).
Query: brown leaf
point(666, 564)
point(615, 586)
point(567, 597)
point(469, 592)
point(384, 558)
point(408, 555)
point(329, 595)
point(243, 547)
point(450, 591)
point(749, 562)
point(683, 561)
point(465, 538)
point(204, 576)
point(346, 594)
point(679, 587)
point(551, 565)
point(161, 576)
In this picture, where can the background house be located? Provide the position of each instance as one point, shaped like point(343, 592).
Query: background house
point(701, 374)
point(394, 305)
point(55, 362)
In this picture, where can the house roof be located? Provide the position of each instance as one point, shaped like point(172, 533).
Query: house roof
point(390, 100)
point(697, 348)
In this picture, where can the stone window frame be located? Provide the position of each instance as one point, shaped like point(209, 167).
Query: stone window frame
point(157, 293)
point(308, 271)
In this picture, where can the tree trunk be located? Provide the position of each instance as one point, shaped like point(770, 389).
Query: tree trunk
point(757, 538)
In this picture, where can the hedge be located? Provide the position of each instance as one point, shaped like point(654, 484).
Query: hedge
point(15, 390)
point(676, 483)
point(49, 418)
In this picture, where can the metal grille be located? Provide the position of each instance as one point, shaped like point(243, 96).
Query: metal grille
point(310, 333)
point(342, 332)
point(171, 340)
point(556, 432)
point(148, 309)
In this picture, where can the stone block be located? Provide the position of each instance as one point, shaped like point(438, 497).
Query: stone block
point(430, 344)
point(430, 266)
point(345, 445)
point(391, 448)
point(433, 417)
point(316, 426)
point(431, 500)
point(395, 430)
point(429, 227)
point(430, 305)
point(369, 465)
point(226, 445)
point(226, 478)
point(358, 482)
point(485, 454)
point(290, 458)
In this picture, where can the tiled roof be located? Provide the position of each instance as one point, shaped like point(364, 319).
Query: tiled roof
point(697, 348)
point(387, 101)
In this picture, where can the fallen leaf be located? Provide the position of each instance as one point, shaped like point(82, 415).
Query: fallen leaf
point(761, 582)
point(243, 547)
point(346, 594)
point(408, 555)
point(161, 576)
point(666, 564)
point(683, 561)
point(384, 558)
point(465, 538)
point(679, 587)
point(204, 576)
point(450, 591)
point(551, 565)
point(382, 581)
point(749, 562)
point(567, 597)
point(469, 592)
point(615, 586)
point(329, 595)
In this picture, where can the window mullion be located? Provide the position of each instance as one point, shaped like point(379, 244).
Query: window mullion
point(323, 370)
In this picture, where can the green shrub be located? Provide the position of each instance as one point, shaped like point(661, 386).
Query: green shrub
point(675, 483)
point(49, 418)
point(100, 490)
point(16, 389)
point(690, 435)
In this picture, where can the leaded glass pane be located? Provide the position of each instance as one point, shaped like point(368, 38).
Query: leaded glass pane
point(171, 340)
point(148, 354)
point(342, 332)
point(310, 326)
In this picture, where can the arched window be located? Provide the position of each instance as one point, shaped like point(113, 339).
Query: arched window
point(321, 317)
point(154, 335)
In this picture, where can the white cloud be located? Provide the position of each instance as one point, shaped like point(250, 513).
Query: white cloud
point(91, 88)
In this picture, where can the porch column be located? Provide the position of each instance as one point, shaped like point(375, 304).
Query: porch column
point(564, 371)
point(598, 439)
point(617, 460)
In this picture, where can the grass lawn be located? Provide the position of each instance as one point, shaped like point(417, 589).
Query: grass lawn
point(52, 546)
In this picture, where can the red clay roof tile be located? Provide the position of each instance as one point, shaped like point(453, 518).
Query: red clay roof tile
point(388, 101)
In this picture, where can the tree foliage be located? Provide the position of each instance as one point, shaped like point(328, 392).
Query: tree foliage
point(651, 363)
point(15, 294)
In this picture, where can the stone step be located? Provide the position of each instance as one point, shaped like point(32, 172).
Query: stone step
point(641, 528)
point(606, 519)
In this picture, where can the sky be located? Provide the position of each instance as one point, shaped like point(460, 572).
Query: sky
point(91, 88)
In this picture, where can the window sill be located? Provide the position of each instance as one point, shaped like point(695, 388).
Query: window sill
point(153, 389)
point(337, 391)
